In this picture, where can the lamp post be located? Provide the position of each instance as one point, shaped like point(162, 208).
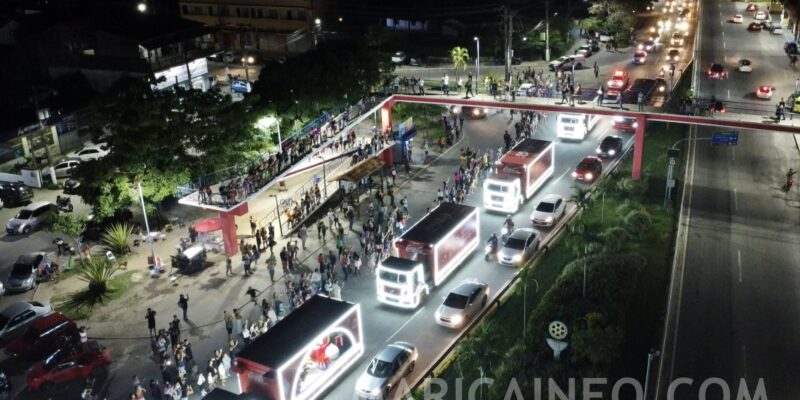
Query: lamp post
point(245, 61)
point(141, 7)
point(278, 213)
point(547, 30)
point(478, 64)
point(147, 225)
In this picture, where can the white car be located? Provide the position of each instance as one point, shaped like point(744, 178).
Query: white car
point(463, 303)
point(520, 246)
point(760, 15)
point(63, 169)
point(385, 370)
point(16, 317)
point(745, 65)
point(765, 92)
point(776, 30)
point(549, 210)
point(738, 19)
point(89, 153)
point(399, 57)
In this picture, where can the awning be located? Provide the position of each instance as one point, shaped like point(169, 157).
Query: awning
point(208, 225)
point(361, 170)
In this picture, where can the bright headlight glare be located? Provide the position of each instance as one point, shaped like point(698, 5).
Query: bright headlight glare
point(612, 152)
point(589, 176)
point(574, 174)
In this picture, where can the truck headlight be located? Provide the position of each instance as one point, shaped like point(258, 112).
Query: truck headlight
point(375, 392)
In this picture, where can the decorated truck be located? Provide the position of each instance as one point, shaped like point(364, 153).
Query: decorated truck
point(518, 174)
point(426, 254)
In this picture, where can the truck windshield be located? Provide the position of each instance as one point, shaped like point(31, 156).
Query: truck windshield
point(393, 277)
point(493, 187)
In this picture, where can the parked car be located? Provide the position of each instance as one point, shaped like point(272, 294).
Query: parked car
point(43, 337)
point(59, 368)
point(30, 217)
point(23, 273)
point(400, 57)
point(17, 316)
point(610, 146)
point(549, 210)
point(15, 193)
point(588, 170)
point(62, 169)
point(94, 152)
point(463, 303)
point(394, 362)
point(585, 50)
point(519, 247)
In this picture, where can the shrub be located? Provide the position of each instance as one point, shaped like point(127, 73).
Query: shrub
point(636, 223)
point(635, 189)
point(117, 237)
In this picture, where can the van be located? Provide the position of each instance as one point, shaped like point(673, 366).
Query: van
point(31, 217)
point(575, 126)
point(14, 193)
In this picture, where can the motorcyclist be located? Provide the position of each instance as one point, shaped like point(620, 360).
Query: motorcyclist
point(493, 241)
point(790, 177)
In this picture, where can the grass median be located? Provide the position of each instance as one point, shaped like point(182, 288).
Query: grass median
point(624, 236)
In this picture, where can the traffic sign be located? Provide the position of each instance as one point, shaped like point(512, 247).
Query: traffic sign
point(727, 137)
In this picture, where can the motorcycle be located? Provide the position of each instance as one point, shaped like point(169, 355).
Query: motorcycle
point(64, 203)
point(491, 251)
point(64, 247)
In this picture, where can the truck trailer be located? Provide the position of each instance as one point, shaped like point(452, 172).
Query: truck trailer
point(426, 254)
point(518, 174)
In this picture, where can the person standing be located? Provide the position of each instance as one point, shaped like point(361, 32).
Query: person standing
point(321, 228)
point(228, 323)
point(446, 85)
point(394, 176)
point(596, 70)
point(183, 303)
point(253, 227)
point(284, 256)
point(640, 100)
point(228, 267)
point(150, 316)
point(302, 233)
point(619, 101)
point(174, 332)
point(468, 86)
point(421, 87)
point(271, 269)
point(155, 389)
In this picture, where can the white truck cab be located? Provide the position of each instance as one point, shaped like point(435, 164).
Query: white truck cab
point(401, 282)
point(575, 126)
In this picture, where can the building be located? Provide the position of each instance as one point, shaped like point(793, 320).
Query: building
point(262, 26)
point(109, 45)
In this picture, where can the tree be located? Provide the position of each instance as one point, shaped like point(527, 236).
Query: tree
point(614, 239)
point(636, 223)
point(163, 139)
point(459, 56)
point(69, 224)
point(334, 74)
point(596, 342)
point(582, 198)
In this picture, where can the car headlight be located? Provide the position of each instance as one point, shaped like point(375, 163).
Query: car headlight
point(375, 391)
point(437, 314)
point(574, 174)
point(589, 176)
point(457, 319)
point(517, 258)
point(612, 152)
point(548, 219)
point(598, 151)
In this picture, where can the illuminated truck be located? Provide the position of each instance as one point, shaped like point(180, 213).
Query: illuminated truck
point(303, 354)
point(518, 174)
point(425, 255)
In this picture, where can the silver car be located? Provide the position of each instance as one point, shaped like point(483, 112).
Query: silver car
point(16, 317)
point(464, 302)
point(23, 272)
point(391, 365)
point(519, 247)
point(549, 210)
point(30, 217)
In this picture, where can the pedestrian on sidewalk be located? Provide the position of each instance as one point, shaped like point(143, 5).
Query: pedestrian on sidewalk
point(155, 389)
point(258, 240)
point(228, 323)
point(284, 256)
point(150, 316)
point(253, 227)
point(271, 270)
point(321, 229)
point(331, 260)
point(246, 260)
point(302, 233)
point(337, 290)
point(228, 267)
point(640, 100)
point(174, 332)
point(596, 70)
point(351, 216)
point(394, 176)
point(238, 323)
point(183, 303)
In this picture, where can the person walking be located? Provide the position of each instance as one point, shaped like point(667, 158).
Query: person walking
point(640, 100)
point(284, 256)
point(302, 233)
point(253, 294)
point(228, 323)
point(183, 303)
point(601, 94)
point(596, 69)
point(446, 85)
point(246, 264)
point(174, 332)
point(271, 270)
point(228, 266)
point(619, 101)
point(468, 85)
point(150, 316)
point(321, 230)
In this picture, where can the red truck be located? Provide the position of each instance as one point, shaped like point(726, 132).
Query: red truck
point(518, 174)
point(427, 254)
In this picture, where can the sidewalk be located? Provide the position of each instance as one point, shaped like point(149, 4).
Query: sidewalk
point(121, 325)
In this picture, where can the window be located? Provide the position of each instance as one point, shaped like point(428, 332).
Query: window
point(210, 10)
point(289, 14)
point(260, 13)
point(302, 15)
point(272, 14)
point(184, 9)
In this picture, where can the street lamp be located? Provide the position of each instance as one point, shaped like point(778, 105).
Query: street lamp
point(245, 62)
point(478, 63)
point(147, 225)
point(547, 30)
point(142, 7)
point(266, 122)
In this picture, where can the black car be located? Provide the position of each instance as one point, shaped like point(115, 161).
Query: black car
point(15, 193)
point(611, 146)
point(71, 186)
point(754, 27)
point(644, 85)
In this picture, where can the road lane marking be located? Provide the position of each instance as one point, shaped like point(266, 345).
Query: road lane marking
point(735, 200)
point(729, 91)
point(562, 175)
point(744, 356)
point(726, 60)
point(723, 45)
point(739, 261)
point(404, 325)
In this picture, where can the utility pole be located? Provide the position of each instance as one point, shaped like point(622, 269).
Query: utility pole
point(547, 30)
point(508, 21)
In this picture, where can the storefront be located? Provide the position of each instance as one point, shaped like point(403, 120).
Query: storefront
point(302, 355)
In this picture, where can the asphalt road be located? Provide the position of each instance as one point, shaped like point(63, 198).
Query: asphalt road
point(384, 324)
point(738, 307)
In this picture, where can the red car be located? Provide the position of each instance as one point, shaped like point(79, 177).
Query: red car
point(619, 80)
point(43, 337)
point(624, 124)
point(60, 367)
point(589, 169)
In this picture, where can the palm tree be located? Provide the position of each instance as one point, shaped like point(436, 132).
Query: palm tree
point(459, 56)
point(117, 237)
point(581, 197)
